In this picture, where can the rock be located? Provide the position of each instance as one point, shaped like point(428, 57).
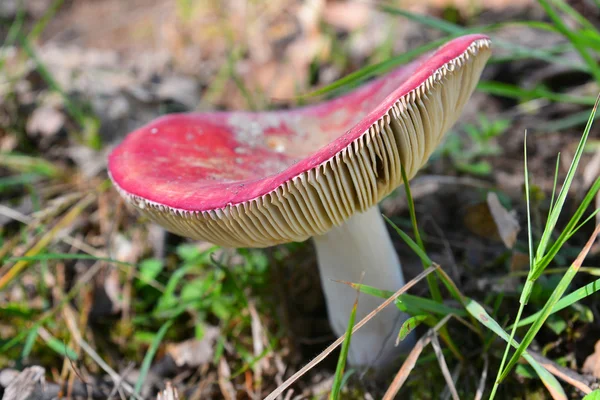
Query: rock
point(45, 121)
point(27, 385)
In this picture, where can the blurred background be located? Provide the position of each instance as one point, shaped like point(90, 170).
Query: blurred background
point(103, 303)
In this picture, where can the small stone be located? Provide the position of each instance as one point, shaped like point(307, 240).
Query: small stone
point(45, 121)
point(118, 108)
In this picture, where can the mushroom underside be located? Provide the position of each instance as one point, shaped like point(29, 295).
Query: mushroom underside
point(353, 180)
point(334, 200)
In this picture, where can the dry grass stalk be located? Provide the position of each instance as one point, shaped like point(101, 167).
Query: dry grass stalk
point(437, 348)
point(277, 392)
point(170, 393)
point(484, 373)
point(411, 360)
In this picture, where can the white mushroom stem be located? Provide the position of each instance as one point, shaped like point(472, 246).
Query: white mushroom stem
point(362, 244)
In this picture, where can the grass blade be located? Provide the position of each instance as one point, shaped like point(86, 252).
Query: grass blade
point(372, 70)
point(409, 303)
point(341, 365)
point(526, 292)
point(370, 290)
point(554, 186)
point(41, 24)
point(66, 256)
point(410, 325)
point(517, 50)
point(146, 363)
point(572, 37)
point(529, 225)
point(571, 227)
point(30, 165)
point(434, 289)
point(570, 121)
point(281, 388)
point(516, 92)
point(566, 186)
point(56, 345)
point(566, 301)
point(422, 304)
point(573, 13)
point(45, 240)
point(554, 298)
point(411, 243)
point(411, 360)
point(29, 342)
point(547, 378)
point(432, 22)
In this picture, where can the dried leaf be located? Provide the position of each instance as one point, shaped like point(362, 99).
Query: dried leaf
point(227, 389)
point(170, 393)
point(506, 222)
point(480, 221)
point(519, 261)
point(592, 362)
point(27, 385)
point(45, 121)
point(492, 221)
point(194, 352)
point(592, 170)
point(181, 89)
point(347, 16)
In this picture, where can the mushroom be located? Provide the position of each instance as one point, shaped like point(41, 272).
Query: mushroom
point(244, 179)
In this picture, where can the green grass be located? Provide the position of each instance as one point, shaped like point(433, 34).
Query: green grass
point(87, 123)
point(582, 38)
point(192, 288)
point(430, 311)
point(586, 41)
point(156, 342)
point(341, 376)
point(469, 153)
point(595, 395)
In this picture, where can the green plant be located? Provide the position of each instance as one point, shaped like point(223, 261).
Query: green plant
point(466, 152)
point(436, 315)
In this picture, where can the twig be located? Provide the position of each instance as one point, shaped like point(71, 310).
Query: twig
point(574, 379)
point(257, 346)
point(170, 393)
point(484, 373)
point(455, 377)
point(437, 349)
point(117, 379)
point(117, 386)
point(227, 389)
point(28, 383)
point(339, 341)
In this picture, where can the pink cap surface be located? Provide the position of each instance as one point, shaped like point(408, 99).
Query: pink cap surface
point(207, 161)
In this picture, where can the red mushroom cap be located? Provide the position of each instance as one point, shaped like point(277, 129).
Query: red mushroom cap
point(211, 175)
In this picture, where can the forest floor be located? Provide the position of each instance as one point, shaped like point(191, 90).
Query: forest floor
point(104, 303)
